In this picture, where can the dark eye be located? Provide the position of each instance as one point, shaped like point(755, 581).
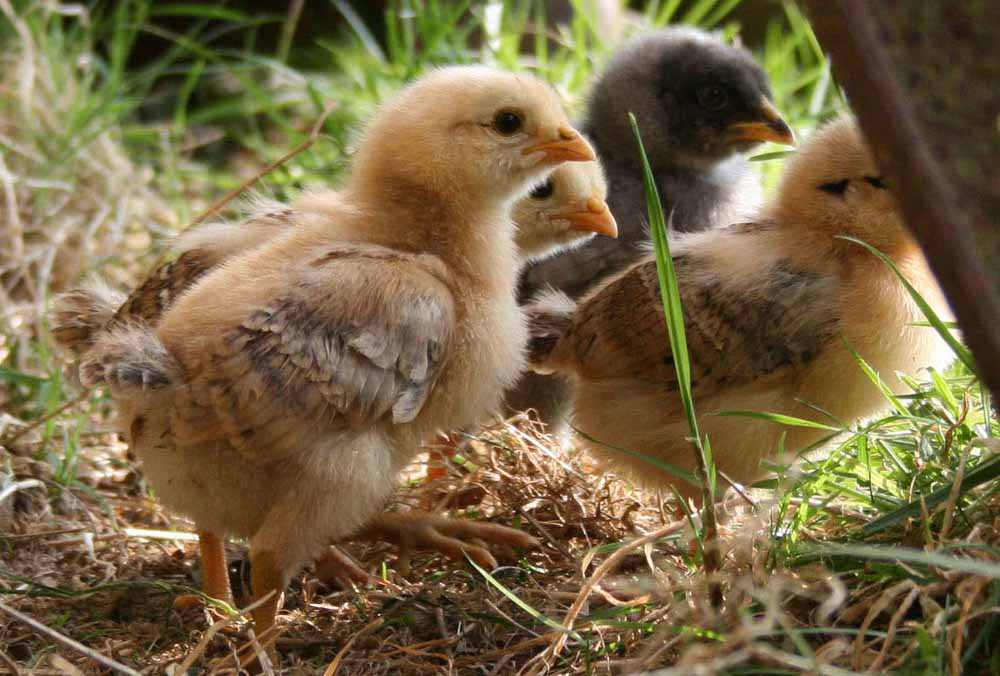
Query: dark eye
point(835, 188)
point(713, 98)
point(508, 122)
point(544, 191)
point(877, 182)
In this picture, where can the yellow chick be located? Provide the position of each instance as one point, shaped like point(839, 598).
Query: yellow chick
point(767, 306)
point(565, 210)
point(278, 398)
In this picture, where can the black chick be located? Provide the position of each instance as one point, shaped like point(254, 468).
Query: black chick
point(699, 103)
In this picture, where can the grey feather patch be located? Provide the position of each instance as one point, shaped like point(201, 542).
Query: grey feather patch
point(367, 398)
point(373, 346)
point(413, 362)
point(408, 405)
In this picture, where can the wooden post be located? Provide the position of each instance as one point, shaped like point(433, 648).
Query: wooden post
point(923, 77)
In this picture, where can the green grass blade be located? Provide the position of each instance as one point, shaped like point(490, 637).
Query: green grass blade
point(670, 296)
point(205, 11)
point(720, 13)
point(767, 157)
point(359, 27)
point(516, 600)
point(987, 471)
point(944, 392)
point(697, 12)
point(666, 13)
point(669, 291)
point(912, 556)
point(676, 470)
point(781, 419)
point(877, 380)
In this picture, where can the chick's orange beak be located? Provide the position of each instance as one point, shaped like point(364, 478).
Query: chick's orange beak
point(569, 147)
point(770, 127)
point(597, 218)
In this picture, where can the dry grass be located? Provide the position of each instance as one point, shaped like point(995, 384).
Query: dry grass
point(71, 199)
point(101, 563)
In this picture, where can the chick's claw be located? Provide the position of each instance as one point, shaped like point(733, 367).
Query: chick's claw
point(336, 568)
point(455, 538)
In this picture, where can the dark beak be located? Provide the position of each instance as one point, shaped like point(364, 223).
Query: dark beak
point(770, 126)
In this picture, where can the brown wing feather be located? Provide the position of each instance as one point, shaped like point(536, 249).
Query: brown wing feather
point(163, 287)
point(734, 334)
point(619, 332)
point(166, 283)
point(352, 342)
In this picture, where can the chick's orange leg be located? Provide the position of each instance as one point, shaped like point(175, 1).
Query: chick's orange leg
point(213, 566)
point(215, 573)
point(437, 467)
point(265, 577)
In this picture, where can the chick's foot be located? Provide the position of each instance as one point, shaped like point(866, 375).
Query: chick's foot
point(454, 538)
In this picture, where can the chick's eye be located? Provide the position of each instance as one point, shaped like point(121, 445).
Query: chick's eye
point(713, 98)
point(507, 122)
point(544, 191)
point(877, 182)
point(837, 188)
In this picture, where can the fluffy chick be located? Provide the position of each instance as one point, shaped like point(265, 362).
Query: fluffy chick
point(278, 398)
point(544, 232)
point(768, 306)
point(566, 209)
point(699, 103)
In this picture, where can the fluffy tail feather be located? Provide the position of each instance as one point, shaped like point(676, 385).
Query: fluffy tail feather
point(550, 317)
point(78, 316)
point(130, 359)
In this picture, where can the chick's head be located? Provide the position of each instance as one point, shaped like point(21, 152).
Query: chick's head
point(697, 100)
point(470, 132)
point(563, 211)
point(834, 185)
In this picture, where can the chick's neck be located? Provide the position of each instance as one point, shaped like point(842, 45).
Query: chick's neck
point(820, 247)
point(471, 234)
point(671, 164)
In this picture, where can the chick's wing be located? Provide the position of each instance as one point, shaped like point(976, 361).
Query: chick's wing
point(737, 331)
point(163, 287)
point(358, 336)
